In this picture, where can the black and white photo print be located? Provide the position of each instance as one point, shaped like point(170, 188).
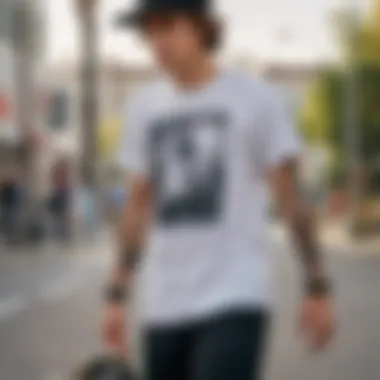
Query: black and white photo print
point(188, 165)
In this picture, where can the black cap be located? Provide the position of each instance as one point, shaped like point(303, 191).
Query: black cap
point(146, 7)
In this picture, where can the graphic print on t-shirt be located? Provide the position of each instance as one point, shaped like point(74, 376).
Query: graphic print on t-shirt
point(188, 166)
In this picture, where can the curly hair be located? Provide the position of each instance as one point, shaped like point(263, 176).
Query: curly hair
point(210, 29)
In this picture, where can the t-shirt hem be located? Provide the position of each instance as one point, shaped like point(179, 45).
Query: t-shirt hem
point(192, 318)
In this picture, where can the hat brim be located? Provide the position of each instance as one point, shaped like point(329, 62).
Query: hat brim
point(135, 18)
point(129, 19)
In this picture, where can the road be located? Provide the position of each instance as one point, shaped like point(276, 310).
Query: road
point(49, 317)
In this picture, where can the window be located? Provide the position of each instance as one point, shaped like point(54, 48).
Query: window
point(58, 110)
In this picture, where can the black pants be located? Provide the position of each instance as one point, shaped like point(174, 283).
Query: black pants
point(227, 347)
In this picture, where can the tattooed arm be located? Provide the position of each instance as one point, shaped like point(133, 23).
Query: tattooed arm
point(298, 215)
point(316, 313)
point(131, 232)
point(131, 236)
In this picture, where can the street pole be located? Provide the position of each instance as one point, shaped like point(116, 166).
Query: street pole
point(24, 42)
point(352, 118)
point(89, 109)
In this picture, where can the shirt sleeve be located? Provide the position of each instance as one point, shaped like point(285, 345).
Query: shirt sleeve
point(131, 154)
point(279, 138)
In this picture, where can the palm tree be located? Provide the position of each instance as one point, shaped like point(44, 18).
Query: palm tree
point(87, 14)
point(89, 117)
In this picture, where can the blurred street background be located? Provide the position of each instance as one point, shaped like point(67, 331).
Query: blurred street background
point(65, 76)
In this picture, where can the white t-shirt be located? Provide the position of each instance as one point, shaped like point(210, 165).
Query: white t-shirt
point(207, 153)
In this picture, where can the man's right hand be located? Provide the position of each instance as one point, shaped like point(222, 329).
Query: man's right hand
point(114, 328)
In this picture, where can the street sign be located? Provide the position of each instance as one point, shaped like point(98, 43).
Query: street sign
point(8, 129)
point(5, 107)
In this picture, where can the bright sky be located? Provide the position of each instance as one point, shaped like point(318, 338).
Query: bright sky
point(254, 27)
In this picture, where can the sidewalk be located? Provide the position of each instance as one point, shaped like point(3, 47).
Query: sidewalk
point(336, 240)
point(99, 245)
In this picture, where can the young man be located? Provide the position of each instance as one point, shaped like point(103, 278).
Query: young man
point(200, 147)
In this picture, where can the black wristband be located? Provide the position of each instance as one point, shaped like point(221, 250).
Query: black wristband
point(318, 287)
point(115, 294)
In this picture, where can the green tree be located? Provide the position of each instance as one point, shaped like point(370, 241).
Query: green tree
point(322, 113)
point(369, 37)
point(322, 117)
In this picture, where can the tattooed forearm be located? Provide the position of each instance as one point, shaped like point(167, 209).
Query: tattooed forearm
point(129, 259)
point(301, 223)
point(130, 240)
point(316, 283)
point(118, 289)
point(300, 219)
